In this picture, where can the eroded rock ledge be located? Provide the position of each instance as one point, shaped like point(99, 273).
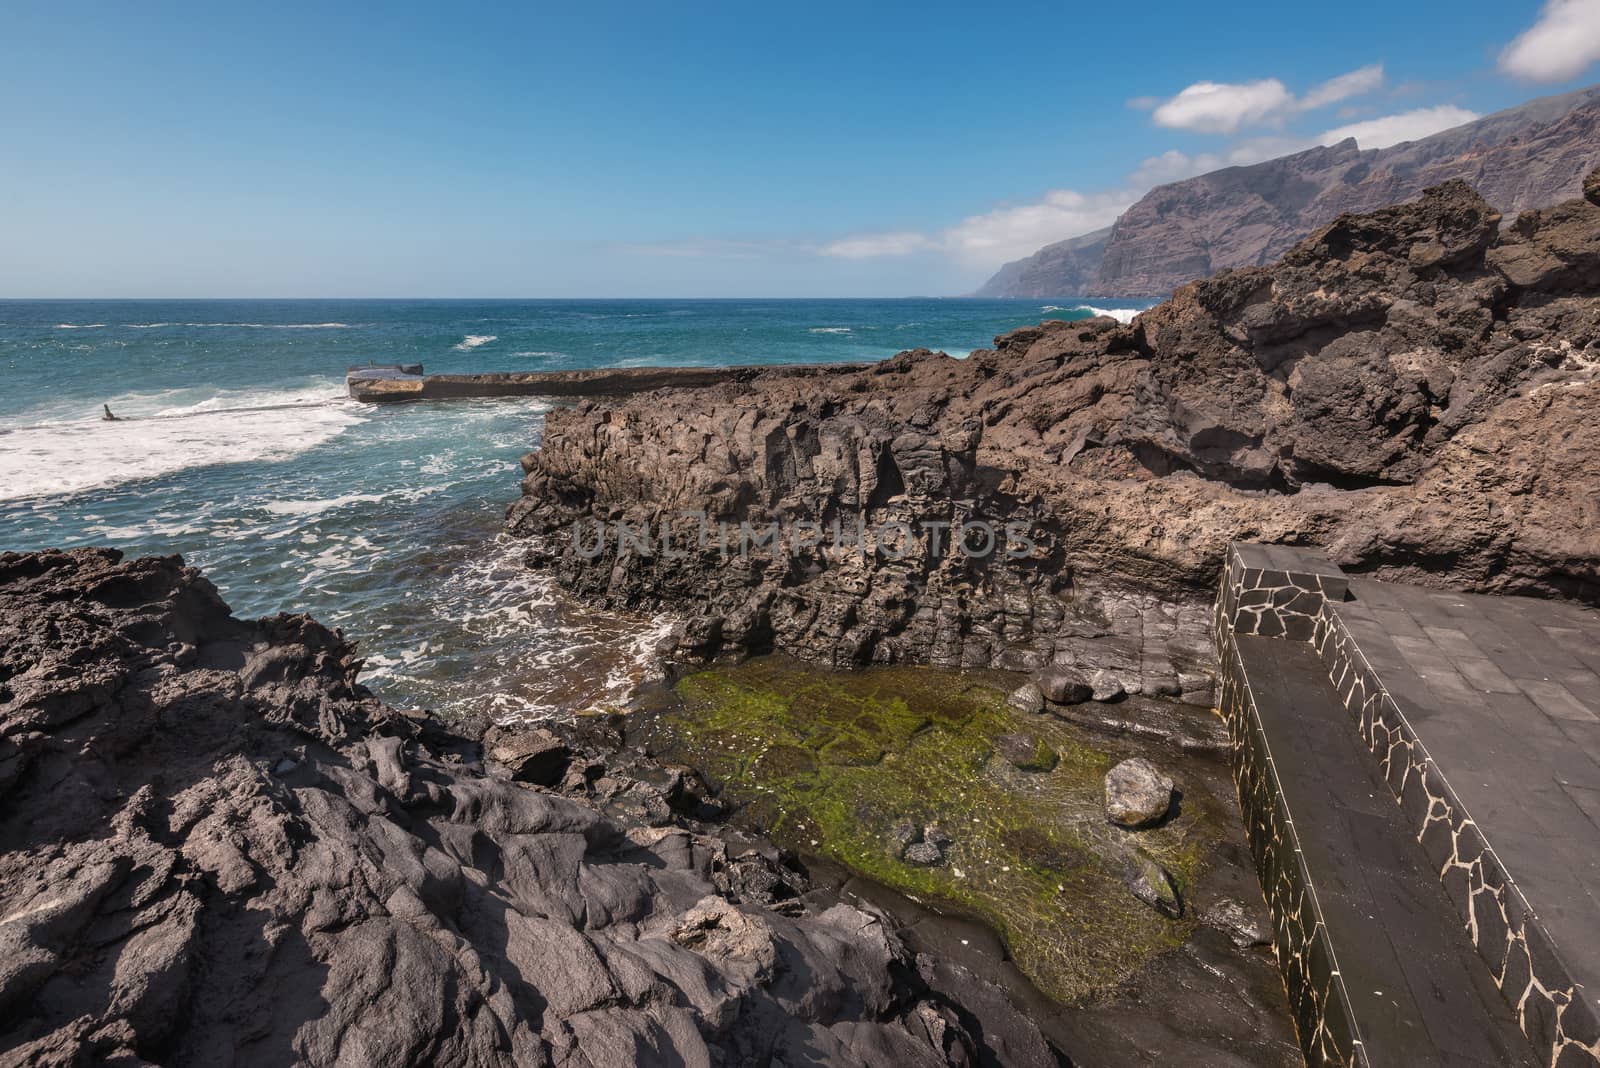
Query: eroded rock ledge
point(1413, 389)
point(217, 848)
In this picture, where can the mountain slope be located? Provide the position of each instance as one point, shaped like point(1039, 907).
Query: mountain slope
point(1525, 157)
point(1066, 267)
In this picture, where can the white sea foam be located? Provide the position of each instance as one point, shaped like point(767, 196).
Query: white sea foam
point(236, 326)
point(1121, 315)
point(472, 341)
point(537, 352)
point(263, 326)
point(830, 330)
point(317, 507)
point(60, 456)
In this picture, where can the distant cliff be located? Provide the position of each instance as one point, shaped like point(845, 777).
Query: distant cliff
point(1526, 157)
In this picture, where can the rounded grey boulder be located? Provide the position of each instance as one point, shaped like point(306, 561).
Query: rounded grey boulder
point(1105, 686)
point(1063, 685)
point(1027, 698)
point(1137, 793)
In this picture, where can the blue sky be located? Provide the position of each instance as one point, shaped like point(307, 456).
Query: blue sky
point(649, 149)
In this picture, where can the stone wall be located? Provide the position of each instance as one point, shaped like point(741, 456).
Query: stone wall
point(1297, 595)
point(1520, 956)
point(1267, 596)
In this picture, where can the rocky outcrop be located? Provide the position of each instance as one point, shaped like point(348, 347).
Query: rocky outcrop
point(1412, 389)
point(1526, 157)
point(217, 848)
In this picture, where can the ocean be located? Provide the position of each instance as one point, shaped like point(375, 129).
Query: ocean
point(237, 448)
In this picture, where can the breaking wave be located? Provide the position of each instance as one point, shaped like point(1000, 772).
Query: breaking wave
point(1121, 315)
point(149, 439)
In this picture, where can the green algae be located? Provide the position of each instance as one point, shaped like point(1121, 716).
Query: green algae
point(830, 763)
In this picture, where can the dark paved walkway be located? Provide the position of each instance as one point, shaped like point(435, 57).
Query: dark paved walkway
point(1504, 694)
point(1417, 990)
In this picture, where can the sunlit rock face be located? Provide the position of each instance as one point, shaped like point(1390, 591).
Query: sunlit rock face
point(1520, 159)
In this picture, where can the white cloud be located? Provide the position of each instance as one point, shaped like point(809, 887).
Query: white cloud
point(1406, 126)
point(1006, 233)
point(1224, 108)
point(1009, 232)
point(871, 246)
point(1358, 82)
point(1174, 166)
point(1213, 107)
point(1559, 46)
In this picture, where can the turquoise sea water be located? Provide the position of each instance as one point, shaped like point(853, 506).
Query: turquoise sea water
point(237, 448)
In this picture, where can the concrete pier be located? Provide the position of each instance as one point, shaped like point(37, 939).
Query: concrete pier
point(407, 382)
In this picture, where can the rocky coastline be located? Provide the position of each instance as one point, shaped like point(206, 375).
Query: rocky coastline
point(1410, 389)
point(219, 848)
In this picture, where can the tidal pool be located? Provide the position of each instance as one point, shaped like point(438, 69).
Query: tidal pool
point(836, 764)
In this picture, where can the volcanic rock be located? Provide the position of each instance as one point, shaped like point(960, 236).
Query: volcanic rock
point(1027, 698)
point(1063, 685)
point(1410, 390)
point(535, 756)
point(1105, 686)
point(216, 847)
point(1027, 752)
point(1137, 793)
point(1153, 884)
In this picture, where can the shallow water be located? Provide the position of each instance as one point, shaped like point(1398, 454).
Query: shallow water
point(837, 763)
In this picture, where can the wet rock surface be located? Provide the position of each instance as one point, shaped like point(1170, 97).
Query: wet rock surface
point(1411, 389)
point(217, 848)
point(1148, 937)
point(1137, 793)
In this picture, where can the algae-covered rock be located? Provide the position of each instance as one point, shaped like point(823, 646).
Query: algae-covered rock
point(1154, 885)
point(1026, 751)
point(967, 801)
point(1137, 793)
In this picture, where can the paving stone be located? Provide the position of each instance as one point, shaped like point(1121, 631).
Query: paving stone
point(1503, 693)
point(1405, 961)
